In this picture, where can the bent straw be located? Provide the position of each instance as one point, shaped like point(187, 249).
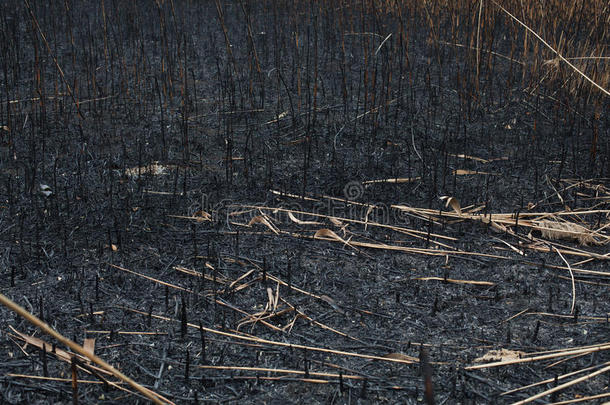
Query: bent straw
point(13, 306)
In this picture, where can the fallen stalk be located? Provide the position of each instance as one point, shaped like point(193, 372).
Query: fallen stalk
point(19, 310)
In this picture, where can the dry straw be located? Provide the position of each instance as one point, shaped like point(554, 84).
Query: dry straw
point(559, 55)
point(43, 326)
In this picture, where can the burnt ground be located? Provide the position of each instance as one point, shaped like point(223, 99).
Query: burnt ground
point(153, 216)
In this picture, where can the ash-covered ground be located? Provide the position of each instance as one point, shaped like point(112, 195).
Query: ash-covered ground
point(241, 201)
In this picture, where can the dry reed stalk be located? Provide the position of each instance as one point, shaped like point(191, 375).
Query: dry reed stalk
point(282, 371)
point(572, 277)
point(550, 380)
point(59, 69)
point(561, 353)
point(563, 386)
point(548, 224)
point(10, 304)
point(403, 360)
point(559, 55)
point(584, 399)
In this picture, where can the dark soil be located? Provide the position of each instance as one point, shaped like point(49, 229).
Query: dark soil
point(312, 101)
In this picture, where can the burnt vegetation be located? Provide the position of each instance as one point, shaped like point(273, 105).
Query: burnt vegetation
point(305, 201)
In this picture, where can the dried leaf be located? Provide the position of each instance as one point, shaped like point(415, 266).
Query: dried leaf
point(202, 216)
point(455, 204)
point(335, 221)
point(500, 355)
point(154, 169)
point(59, 353)
point(498, 228)
point(277, 296)
point(270, 298)
point(564, 230)
point(401, 356)
point(325, 233)
point(45, 190)
point(464, 172)
point(259, 219)
point(495, 226)
point(298, 221)
point(89, 345)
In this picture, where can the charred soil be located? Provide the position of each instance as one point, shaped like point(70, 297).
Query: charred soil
point(306, 201)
